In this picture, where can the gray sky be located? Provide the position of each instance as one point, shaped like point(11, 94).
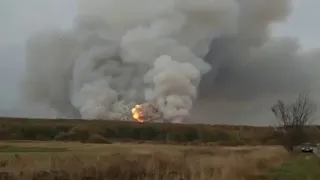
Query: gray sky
point(303, 23)
point(15, 26)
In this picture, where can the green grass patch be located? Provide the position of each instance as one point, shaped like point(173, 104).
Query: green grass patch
point(297, 167)
point(19, 149)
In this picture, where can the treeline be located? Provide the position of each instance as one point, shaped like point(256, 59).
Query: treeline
point(111, 131)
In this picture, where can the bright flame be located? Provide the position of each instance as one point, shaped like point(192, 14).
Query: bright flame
point(137, 113)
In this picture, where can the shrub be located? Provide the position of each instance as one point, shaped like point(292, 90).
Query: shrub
point(81, 130)
point(71, 136)
point(97, 138)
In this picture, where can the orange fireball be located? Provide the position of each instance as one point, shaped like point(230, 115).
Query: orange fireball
point(137, 113)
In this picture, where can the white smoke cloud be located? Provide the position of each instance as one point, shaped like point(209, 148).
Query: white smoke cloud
point(123, 52)
point(175, 86)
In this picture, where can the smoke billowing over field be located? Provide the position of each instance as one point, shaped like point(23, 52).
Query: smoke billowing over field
point(211, 60)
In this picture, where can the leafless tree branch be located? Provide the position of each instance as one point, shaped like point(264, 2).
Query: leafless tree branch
point(294, 117)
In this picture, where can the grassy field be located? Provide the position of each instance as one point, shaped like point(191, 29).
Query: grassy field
point(297, 167)
point(77, 161)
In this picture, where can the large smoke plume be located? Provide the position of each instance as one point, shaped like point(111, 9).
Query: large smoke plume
point(206, 55)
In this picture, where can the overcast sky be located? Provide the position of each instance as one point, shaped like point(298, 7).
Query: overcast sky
point(15, 28)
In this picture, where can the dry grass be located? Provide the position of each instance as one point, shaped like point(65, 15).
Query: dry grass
point(138, 162)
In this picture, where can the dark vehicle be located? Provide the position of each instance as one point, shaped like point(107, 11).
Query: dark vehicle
point(306, 147)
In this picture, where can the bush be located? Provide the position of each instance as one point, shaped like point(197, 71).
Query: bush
point(64, 136)
point(71, 136)
point(97, 138)
point(82, 130)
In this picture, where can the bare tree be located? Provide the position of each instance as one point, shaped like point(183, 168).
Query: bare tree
point(293, 118)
